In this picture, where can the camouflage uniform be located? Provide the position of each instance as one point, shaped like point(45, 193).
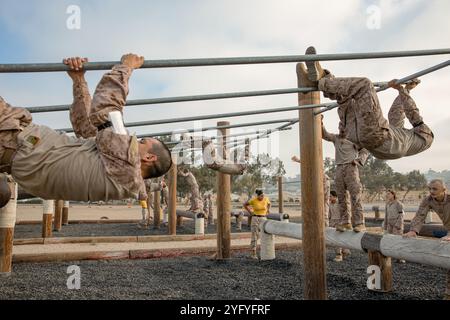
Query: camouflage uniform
point(335, 218)
point(256, 221)
point(443, 211)
point(210, 210)
point(53, 165)
point(195, 199)
point(393, 220)
point(362, 121)
point(347, 176)
point(326, 196)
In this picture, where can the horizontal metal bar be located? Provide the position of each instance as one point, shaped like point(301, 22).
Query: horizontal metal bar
point(399, 81)
point(215, 116)
point(200, 138)
point(175, 63)
point(201, 97)
point(240, 125)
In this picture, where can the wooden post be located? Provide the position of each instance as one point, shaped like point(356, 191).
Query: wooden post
point(47, 216)
point(280, 195)
point(157, 209)
point(376, 210)
point(315, 284)
point(378, 259)
point(65, 213)
point(172, 204)
point(223, 199)
point(7, 223)
point(57, 222)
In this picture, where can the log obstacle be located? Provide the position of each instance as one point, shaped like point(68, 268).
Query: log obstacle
point(172, 203)
point(199, 219)
point(314, 265)
point(65, 213)
point(223, 198)
point(57, 222)
point(284, 217)
point(7, 223)
point(380, 247)
point(47, 216)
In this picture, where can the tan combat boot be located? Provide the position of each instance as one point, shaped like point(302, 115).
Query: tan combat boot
point(315, 71)
point(359, 228)
point(343, 227)
point(338, 258)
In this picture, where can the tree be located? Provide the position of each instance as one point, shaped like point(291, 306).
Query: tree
point(414, 181)
point(261, 169)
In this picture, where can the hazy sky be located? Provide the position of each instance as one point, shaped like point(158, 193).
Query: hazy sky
point(37, 32)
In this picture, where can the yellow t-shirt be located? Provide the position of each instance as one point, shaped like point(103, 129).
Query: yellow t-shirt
point(259, 206)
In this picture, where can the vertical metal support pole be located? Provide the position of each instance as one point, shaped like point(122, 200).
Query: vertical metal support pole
point(314, 252)
point(223, 199)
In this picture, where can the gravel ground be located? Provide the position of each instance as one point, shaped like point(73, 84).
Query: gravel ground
point(112, 229)
point(122, 229)
point(200, 278)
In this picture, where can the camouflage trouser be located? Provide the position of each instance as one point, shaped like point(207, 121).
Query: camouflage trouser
point(404, 106)
point(359, 110)
point(347, 178)
point(395, 226)
point(326, 200)
point(255, 230)
point(119, 153)
point(12, 120)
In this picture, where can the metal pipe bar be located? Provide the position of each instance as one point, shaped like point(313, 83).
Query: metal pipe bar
point(228, 95)
point(240, 125)
point(384, 86)
point(200, 138)
point(214, 116)
point(172, 63)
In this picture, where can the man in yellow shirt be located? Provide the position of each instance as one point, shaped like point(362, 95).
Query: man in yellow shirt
point(258, 207)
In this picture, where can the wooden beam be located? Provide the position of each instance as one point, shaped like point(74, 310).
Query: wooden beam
point(47, 217)
point(157, 209)
point(376, 258)
point(57, 222)
point(314, 263)
point(223, 198)
point(7, 223)
point(172, 205)
point(65, 213)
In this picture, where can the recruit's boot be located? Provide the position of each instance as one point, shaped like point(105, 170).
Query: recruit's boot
point(343, 227)
point(5, 191)
point(254, 255)
point(412, 84)
point(338, 258)
point(346, 253)
point(359, 228)
point(315, 71)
